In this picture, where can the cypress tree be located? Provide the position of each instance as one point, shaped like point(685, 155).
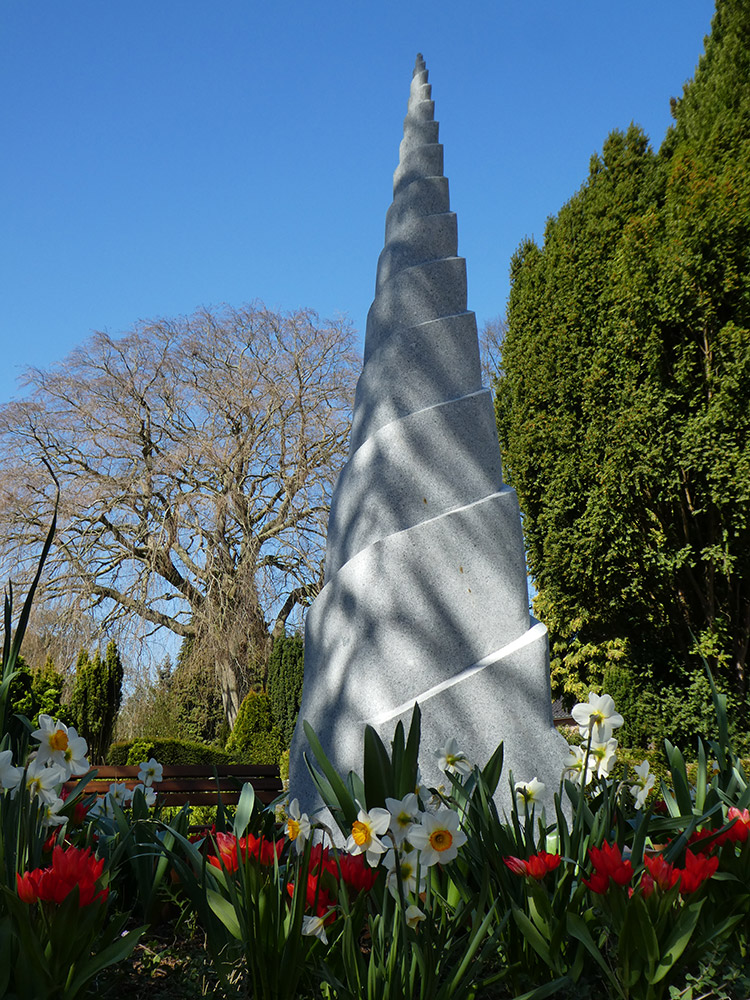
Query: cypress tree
point(285, 675)
point(96, 698)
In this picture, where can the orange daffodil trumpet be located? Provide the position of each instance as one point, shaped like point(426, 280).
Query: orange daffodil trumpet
point(61, 746)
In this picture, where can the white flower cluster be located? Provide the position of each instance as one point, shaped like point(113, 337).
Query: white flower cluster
point(597, 718)
point(407, 839)
point(149, 772)
point(60, 756)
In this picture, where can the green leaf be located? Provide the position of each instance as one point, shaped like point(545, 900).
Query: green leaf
point(533, 936)
point(225, 912)
point(638, 946)
point(679, 778)
point(677, 940)
point(10, 660)
point(408, 777)
point(117, 951)
point(547, 990)
point(245, 808)
point(493, 769)
point(341, 799)
point(580, 932)
point(378, 774)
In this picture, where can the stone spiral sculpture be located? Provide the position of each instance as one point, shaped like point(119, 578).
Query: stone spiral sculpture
point(425, 595)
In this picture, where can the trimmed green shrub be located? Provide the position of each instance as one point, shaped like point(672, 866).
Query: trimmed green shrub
point(166, 751)
point(255, 739)
point(285, 673)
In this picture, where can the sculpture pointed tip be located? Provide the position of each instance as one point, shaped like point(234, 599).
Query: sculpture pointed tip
point(419, 64)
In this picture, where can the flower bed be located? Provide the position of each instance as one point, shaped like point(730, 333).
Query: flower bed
point(619, 890)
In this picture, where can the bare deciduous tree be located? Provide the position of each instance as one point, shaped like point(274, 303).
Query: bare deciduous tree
point(196, 459)
point(490, 348)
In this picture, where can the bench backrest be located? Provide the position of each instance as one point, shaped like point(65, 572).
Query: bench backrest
point(198, 784)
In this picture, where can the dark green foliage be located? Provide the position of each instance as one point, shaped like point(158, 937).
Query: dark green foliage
point(35, 692)
point(47, 687)
point(196, 699)
point(166, 751)
point(255, 739)
point(285, 675)
point(96, 698)
point(624, 404)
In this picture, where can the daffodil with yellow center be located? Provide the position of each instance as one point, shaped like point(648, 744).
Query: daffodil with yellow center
point(298, 826)
point(367, 830)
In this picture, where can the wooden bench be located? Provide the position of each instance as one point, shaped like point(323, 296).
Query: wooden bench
point(198, 784)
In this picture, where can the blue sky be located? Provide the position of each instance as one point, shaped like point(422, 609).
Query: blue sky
point(160, 155)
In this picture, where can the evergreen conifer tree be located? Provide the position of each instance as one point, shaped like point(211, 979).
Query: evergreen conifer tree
point(96, 698)
point(624, 399)
point(285, 674)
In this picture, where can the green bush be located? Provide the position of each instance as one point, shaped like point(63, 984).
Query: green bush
point(255, 739)
point(166, 751)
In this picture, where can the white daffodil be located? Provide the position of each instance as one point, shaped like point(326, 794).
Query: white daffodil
point(149, 794)
point(43, 781)
point(50, 813)
point(74, 759)
point(574, 766)
point(529, 792)
point(10, 777)
point(451, 759)
point(62, 746)
point(414, 916)
point(367, 830)
point(150, 771)
point(605, 757)
point(405, 864)
point(597, 716)
point(298, 826)
point(422, 792)
point(102, 808)
point(314, 927)
point(437, 837)
point(403, 813)
point(644, 783)
point(120, 793)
